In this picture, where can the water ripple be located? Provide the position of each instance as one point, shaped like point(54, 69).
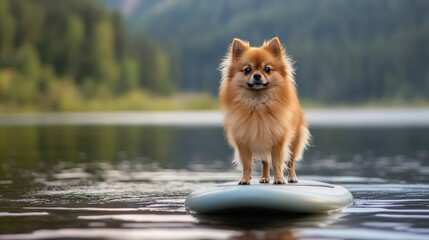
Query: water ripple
point(130, 234)
point(143, 218)
point(22, 214)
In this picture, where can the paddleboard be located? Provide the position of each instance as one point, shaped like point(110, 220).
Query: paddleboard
point(306, 196)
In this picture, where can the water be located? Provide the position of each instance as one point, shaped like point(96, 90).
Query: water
point(128, 179)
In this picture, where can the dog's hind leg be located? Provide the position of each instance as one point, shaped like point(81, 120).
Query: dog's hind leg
point(292, 178)
point(297, 147)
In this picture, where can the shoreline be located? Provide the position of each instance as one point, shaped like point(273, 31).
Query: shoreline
point(323, 117)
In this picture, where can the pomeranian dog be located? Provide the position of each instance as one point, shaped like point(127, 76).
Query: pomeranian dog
point(263, 119)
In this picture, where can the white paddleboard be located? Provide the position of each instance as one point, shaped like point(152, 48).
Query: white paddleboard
point(303, 197)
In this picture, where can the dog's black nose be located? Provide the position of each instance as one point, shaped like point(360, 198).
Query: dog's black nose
point(257, 76)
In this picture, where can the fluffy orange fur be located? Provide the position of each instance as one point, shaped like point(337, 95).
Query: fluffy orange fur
point(262, 120)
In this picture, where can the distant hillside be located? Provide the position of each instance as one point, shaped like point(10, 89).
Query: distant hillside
point(345, 51)
point(76, 55)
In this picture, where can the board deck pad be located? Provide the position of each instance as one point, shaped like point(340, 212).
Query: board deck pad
point(306, 196)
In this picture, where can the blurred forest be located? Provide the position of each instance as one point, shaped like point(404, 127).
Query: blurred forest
point(141, 54)
point(76, 55)
point(345, 51)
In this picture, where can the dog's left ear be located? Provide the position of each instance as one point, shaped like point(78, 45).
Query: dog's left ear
point(275, 47)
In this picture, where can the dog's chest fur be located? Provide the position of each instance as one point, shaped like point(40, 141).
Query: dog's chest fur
point(258, 126)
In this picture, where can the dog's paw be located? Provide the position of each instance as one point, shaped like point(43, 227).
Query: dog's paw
point(279, 181)
point(292, 180)
point(264, 180)
point(244, 182)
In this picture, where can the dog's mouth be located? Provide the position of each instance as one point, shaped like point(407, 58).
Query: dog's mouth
point(257, 86)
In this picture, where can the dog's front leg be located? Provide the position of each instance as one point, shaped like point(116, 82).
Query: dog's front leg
point(246, 163)
point(277, 155)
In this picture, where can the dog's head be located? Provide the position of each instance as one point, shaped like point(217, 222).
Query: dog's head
point(256, 68)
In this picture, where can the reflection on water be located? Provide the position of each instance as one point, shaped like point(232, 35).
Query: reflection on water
point(130, 182)
point(164, 147)
point(82, 152)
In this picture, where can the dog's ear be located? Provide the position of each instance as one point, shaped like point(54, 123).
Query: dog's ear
point(238, 47)
point(274, 47)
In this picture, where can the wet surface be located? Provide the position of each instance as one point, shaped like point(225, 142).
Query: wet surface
point(131, 181)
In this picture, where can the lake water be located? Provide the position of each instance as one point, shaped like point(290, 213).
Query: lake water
point(126, 176)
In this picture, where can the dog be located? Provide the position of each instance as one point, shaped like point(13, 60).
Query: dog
point(262, 117)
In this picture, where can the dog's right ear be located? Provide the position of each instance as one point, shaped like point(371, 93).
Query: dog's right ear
point(238, 47)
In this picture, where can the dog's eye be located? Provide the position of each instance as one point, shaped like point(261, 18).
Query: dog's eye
point(247, 70)
point(267, 69)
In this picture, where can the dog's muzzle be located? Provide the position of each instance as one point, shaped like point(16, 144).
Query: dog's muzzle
point(257, 82)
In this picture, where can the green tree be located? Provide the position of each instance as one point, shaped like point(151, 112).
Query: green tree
point(24, 85)
point(162, 82)
point(129, 78)
point(27, 62)
point(7, 26)
point(120, 35)
point(74, 37)
point(29, 19)
point(102, 54)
